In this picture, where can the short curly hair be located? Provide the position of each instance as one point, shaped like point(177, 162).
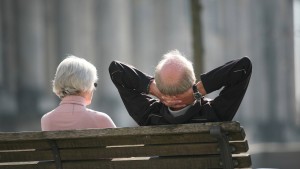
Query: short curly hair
point(73, 76)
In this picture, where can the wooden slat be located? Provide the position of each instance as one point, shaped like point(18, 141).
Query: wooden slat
point(154, 139)
point(141, 151)
point(148, 150)
point(132, 140)
point(242, 161)
point(107, 141)
point(132, 163)
point(120, 152)
point(19, 145)
point(235, 135)
point(153, 163)
point(144, 139)
point(126, 131)
point(189, 162)
point(31, 165)
point(23, 156)
point(239, 146)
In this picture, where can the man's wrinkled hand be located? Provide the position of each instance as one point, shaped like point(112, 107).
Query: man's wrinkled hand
point(169, 101)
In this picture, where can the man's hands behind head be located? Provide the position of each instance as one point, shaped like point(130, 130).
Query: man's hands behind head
point(178, 101)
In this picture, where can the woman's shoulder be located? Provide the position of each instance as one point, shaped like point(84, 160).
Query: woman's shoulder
point(48, 114)
point(106, 120)
point(97, 113)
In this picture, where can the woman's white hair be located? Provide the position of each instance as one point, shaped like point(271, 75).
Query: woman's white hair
point(188, 78)
point(73, 76)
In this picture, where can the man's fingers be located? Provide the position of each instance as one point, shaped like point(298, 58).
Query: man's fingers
point(174, 103)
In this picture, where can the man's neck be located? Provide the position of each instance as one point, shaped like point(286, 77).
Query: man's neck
point(176, 109)
point(180, 111)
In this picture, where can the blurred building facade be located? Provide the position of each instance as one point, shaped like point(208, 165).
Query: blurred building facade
point(35, 35)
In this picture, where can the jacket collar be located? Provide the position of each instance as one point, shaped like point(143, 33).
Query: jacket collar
point(73, 100)
point(192, 111)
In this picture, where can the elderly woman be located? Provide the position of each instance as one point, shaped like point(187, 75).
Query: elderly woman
point(74, 83)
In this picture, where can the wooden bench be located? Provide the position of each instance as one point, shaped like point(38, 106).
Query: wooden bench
point(183, 146)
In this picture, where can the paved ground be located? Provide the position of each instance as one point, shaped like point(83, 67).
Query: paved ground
point(280, 160)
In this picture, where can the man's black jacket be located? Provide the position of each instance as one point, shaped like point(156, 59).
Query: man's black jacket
point(132, 84)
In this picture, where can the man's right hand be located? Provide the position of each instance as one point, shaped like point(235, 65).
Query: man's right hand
point(178, 101)
point(188, 97)
point(169, 101)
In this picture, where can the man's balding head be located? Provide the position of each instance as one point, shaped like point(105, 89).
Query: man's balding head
point(174, 74)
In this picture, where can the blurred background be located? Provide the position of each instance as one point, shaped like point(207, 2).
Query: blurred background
point(36, 35)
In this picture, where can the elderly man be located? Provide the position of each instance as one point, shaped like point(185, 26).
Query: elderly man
point(178, 97)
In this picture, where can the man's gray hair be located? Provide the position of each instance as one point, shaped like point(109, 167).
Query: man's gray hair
point(73, 76)
point(187, 79)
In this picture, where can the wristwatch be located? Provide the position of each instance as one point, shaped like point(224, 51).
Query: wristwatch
point(197, 94)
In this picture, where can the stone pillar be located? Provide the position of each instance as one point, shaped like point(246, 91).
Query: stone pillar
point(262, 30)
point(31, 55)
point(8, 58)
point(1, 44)
point(113, 42)
point(76, 28)
point(159, 28)
point(297, 58)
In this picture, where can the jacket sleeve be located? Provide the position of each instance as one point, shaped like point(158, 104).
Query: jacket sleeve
point(132, 86)
point(129, 77)
point(233, 77)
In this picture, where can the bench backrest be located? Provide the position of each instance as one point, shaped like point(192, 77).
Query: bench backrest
point(201, 146)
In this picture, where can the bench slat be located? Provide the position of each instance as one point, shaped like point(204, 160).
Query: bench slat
point(148, 150)
point(120, 152)
point(198, 162)
point(24, 156)
point(19, 145)
point(107, 141)
point(145, 163)
point(243, 161)
point(145, 139)
point(153, 163)
point(141, 151)
point(239, 146)
point(29, 165)
point(126, 131)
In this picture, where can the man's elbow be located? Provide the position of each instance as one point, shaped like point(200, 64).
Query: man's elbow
point(247, 64)
point(115, 71)
point(112, 66)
